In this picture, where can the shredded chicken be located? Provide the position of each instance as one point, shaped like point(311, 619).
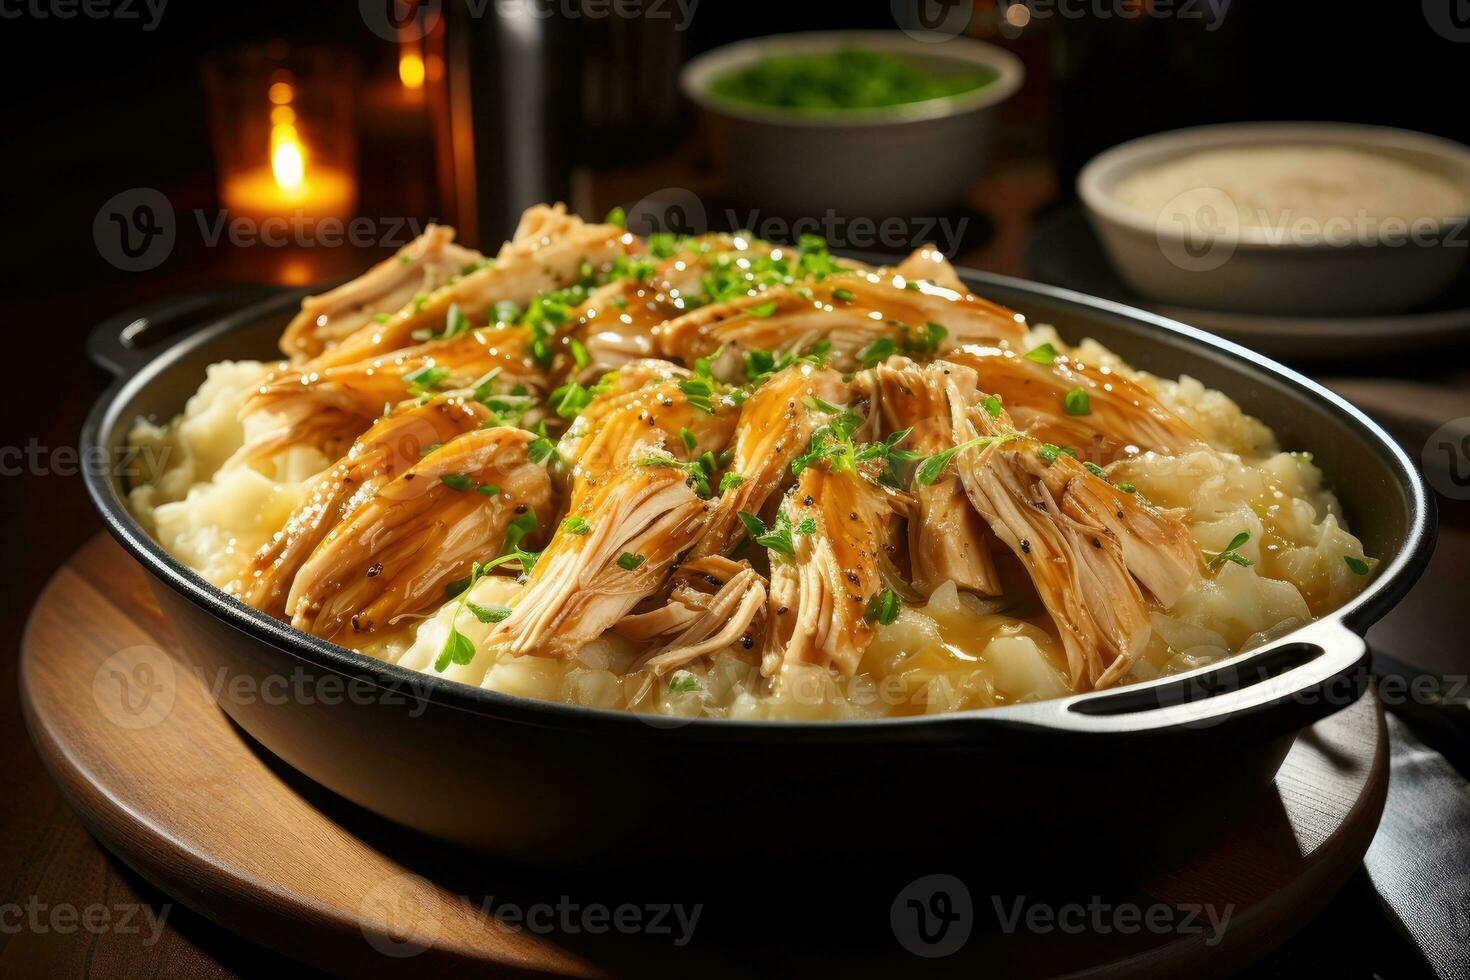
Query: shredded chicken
point(849, 312)
point(392, 445)
point(1050, 512)
point(392, 556)
point(775, 425)
point(947, 540)
point(820, 594)
point(637, 521)
point(550, 252)
point(1108, 415)
point(716, 604)
point(330, 408)
point(419, 268)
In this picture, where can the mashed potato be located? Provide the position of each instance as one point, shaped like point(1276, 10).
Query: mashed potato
point(956, 651)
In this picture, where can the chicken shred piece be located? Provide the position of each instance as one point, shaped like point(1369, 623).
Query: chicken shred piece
point(1085, 568)
point(947, 539)
point(849, 311)
point(420, 267)
point(819, 596)
point(1118, 412)
point(393, 555)
point(328, 409)
point(723, 604)
point(578, 588)
point(774, 427)
point(548, 254)
point(388, 448)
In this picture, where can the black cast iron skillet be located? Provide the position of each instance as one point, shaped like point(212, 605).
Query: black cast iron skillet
point(552, 782)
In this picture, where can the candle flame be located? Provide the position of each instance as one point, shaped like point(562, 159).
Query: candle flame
point(288, 161)
point(411, 70)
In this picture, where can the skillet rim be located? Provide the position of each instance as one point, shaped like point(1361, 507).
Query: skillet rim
point(1390, 583)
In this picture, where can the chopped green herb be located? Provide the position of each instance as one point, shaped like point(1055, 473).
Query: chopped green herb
point(1231, 554)
point(426, 379)
point(1077, 402)
point(878, 351)
point(430, 448)
point(541, 449)
point(845, 295)
point(1357, 565)
point(629, 561)
point(575, 525)
point(616, 217)
point(931, 468)
point(926, 340)
point(689, 439)
point(487, 489)
point(991, 406)
point(488, 614)
point(730, 481)
point(1126, 487)
point(762, 311)
point(380, 318)
point(1094, 469)
point(883, 608)
point(457, 481)
point(570, 399)
point(777, 537)
point(580, 357)
point(683, 683)
point(1045, 354)
point(455, 323)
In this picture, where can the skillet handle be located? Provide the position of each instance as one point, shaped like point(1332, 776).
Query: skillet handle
point(123, 343)
point(1282, 687)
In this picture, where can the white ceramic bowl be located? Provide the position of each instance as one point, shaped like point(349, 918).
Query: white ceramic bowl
point(908, 160)
point(1333, 272)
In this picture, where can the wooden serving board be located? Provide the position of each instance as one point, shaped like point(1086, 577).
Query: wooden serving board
point(175, 790)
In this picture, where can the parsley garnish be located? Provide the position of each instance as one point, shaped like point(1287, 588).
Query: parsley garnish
point(931, 468)
point(683, 683)
point(992, 406)
point(457, 481)
point(883, 608)
point(1231, 554)
point(878, 351)
point(1357, 565)
point(730, 481)
point(1045, 354)
point(1077, 402)
point(575, 525)
point(629, 561)
point(777, 537)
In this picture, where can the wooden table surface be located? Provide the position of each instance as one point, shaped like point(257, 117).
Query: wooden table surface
point(58, 884)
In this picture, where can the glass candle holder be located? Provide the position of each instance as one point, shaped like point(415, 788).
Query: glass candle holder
point(281, 121)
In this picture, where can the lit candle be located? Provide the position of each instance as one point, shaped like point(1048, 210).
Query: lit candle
point(291, 184)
